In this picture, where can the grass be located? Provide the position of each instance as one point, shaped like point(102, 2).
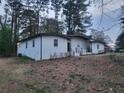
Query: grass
point(84, 81)
point(11, 81)
point(24, 59)
point(13, 78)
point(35, 89)
point(112, 86)
point(117, 57)
point(79, 88)
point(29, 72)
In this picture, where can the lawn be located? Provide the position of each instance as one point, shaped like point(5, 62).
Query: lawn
point(87, 74)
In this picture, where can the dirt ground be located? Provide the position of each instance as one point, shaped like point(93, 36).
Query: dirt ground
point(87, 74)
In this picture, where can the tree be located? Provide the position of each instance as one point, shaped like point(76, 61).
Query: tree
point(100, 36)
point(28, 21)
point(120, 42)
point(5, 34)
point(122, 22)
point(49, 26)
point(77, 17)
point(38, 6)
point(5, 44)
point(15, 8)
point(4, 19)
point(120, 39)
point(56, 6)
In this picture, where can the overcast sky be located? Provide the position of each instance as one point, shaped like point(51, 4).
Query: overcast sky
point(110, 19)
point(112, 12)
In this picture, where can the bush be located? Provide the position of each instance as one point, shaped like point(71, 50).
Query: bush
point(5, 42)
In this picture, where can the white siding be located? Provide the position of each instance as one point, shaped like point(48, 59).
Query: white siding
point(78, 46)
point(48, 49)
point(30, 51)
point(95, 49)
point(45, 49)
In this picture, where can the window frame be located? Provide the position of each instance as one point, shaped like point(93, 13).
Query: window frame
point(33, 43)
point(55, 42)
point(97, 46)
point(26, 44)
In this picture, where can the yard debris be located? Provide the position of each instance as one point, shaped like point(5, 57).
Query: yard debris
point(87, 74)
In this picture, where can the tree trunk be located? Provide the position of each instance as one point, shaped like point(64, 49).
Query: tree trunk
point(15, 33)
point(57, 24)
point(37, 23)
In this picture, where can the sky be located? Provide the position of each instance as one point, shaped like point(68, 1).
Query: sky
point(110, 19)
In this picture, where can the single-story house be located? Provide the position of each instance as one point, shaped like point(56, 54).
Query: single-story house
point(49, 46)
point(44, 46)
point(97, 47)
point(79, 44)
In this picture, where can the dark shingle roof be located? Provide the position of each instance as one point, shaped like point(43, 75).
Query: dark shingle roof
point(59, 35)
point(95, 41)
point(80, 36)
point(44, 34)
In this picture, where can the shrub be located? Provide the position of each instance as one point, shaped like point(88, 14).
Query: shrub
point(5, 42)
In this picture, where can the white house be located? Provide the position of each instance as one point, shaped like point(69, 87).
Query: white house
point(79, 44)
point(97, 47)
point(49, 46)
point(44, 46)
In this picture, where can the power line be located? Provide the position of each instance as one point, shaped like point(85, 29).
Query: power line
point(108, 29)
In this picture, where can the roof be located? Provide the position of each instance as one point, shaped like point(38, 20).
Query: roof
point(44, 34)
point(80, 36)
point(97, 41)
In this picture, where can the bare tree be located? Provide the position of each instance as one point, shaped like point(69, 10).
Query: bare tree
point(100, 36)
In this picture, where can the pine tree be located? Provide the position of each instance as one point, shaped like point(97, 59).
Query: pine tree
point(120, 39)
point(77, 17)
point(28, 22)
point(56, 6)
point(49, 26)
point(39, 6)
point(120, 42)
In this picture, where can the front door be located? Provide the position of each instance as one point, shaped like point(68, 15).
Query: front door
point(69, 47)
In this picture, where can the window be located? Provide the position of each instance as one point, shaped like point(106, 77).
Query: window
point(69, 47)
point(76, 50)
point(55, 42)
point(97, 46)
point(26, 44)
point(78, 45)
point(33, 43)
